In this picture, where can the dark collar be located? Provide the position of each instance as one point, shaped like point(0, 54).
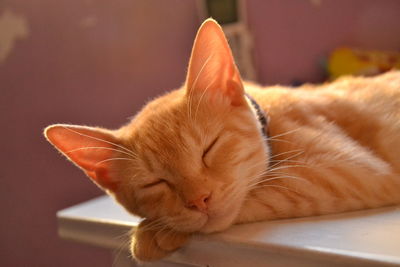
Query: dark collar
point(261, 116)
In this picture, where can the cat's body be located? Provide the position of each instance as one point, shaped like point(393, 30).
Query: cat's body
point(195, 160)
point(335, 148)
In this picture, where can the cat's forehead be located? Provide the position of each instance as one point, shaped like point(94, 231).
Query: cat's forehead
point(166, 140)
point(169, 131)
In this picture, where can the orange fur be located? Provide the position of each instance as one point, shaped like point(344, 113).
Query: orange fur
point(344, 138)
point(194, 160)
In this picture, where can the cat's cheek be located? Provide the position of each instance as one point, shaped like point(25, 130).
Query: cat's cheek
point(150, 202)
point(127, 201)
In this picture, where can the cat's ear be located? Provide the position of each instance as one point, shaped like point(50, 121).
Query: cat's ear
point(212, 69)
point(91, 149)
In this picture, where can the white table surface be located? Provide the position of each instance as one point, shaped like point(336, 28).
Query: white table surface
point(362, 238)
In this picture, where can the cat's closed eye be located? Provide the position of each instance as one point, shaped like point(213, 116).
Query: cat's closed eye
point(155, 183)
point(208, 149)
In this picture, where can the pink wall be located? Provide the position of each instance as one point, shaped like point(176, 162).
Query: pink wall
point(83, 62)
point(97, 62)
point(292, 38)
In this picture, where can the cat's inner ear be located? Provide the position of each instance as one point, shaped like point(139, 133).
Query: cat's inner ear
point(91, 149)
point(212, 69)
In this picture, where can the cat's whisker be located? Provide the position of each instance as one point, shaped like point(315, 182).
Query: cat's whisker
point(285, 133)
point(287, 158)
point(280, 140)
point(255, 179)
point(153, 227)
point(166, 220)
point(152, 224)
point(256, 186)
point(274, 163)
point(100, 147)
point(132, 147)
point(287, 152)
point(256, 176)
point(259, 177)
point(285, 163)
point(279, 178)
point(269, 172)
point(289, 166)
point(123, 240)
point(112, 159)
point(278, 173)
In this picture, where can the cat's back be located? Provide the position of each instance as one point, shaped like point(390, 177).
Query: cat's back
point(378, 91)
point(342, 138)
point(351, 116)
point(347, 101)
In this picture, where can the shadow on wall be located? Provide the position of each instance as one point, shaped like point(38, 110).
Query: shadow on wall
point(97, 62)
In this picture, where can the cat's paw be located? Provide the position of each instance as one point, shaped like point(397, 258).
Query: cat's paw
point(154, 243)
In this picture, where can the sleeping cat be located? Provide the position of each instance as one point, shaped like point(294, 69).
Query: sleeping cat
point(219, 151)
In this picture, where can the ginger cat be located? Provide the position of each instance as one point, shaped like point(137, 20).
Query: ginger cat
point(209, 155)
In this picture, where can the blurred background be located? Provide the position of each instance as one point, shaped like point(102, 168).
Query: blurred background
point(97, 62)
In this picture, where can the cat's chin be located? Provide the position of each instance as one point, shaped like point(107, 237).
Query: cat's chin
point(192, 225)
point(218, 223)
point(208, 223)
point(212, 228)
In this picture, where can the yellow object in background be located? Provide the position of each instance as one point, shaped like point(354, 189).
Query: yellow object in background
point(346, 61)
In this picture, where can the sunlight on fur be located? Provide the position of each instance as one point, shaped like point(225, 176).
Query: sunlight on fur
point(197, 160)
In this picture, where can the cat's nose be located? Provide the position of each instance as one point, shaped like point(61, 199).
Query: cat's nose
point(199, 203)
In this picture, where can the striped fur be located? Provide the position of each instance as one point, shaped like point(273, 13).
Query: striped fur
point(344, 138)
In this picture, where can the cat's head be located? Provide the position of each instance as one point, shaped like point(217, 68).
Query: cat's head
point(188, 158)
